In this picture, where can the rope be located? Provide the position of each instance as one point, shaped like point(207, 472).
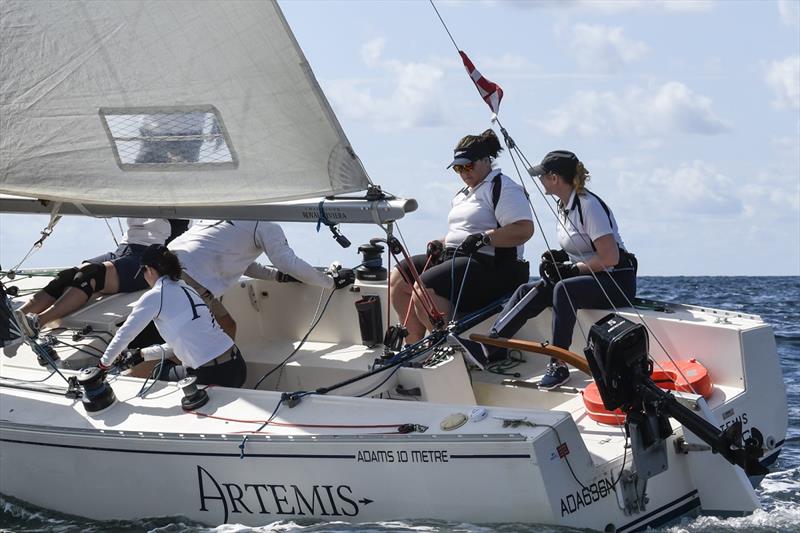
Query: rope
point(111, 231)
point(525, 160)
point(45, 233)
point(445, 26)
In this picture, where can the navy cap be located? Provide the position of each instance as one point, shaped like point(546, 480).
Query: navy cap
point(151, 257)
point(562, 162)
point(469, 154)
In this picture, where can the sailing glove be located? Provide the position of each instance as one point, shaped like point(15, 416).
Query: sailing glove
point(555, 256)
point(343, 277)
point(473, 243)
point(555, 272)
point(283, 277)
point(435, 251)
point(130, 358)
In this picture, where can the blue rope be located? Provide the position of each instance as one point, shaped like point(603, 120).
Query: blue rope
point(323, 219)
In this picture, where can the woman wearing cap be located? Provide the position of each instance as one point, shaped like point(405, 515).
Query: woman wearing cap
point(489, 221)
point(592, 270)
point(186, 324)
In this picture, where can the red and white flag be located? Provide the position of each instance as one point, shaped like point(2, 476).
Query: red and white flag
point(490, 92)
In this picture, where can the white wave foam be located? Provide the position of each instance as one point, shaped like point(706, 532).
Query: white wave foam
point(782, 517)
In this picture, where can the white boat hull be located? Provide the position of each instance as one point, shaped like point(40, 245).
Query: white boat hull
point(536, 457)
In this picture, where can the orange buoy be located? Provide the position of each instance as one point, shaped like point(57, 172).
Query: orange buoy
point(670, 376)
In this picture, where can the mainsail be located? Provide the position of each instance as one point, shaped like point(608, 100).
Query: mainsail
point(163, 103)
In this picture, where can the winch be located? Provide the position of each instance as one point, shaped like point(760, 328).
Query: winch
point(98, 394)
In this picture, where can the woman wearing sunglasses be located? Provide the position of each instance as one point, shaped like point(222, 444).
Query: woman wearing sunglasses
point(489, 221)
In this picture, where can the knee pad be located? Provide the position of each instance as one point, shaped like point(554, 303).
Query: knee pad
point(87, 273)
point(59, 284)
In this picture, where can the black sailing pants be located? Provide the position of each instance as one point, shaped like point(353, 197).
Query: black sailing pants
point(580, 292)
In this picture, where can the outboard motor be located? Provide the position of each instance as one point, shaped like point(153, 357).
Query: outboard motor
point(618, 357)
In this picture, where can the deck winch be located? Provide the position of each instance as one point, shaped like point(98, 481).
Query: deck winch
point(193, 398)
point(98, 394)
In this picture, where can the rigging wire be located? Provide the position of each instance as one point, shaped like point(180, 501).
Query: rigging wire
point(111, 231)
point(527, 163)
point(513, 146)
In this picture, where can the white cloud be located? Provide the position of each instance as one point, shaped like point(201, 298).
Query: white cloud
point(372, 50)
point(404, 95)
point(670, 108)
point(695, 188)
point(784, 79)
point(600, 48)
point(789, 11)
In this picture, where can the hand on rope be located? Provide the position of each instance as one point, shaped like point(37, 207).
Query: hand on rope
point(552, 273)
point(283, 277)
point(342, 277)
point(474, 242)
point(435, 251)
point(412, 278)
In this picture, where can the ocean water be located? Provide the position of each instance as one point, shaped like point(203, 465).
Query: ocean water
point(774, 298)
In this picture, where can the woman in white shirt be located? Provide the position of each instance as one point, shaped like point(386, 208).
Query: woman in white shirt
point(183, 319)
point(593, 270)
point(489, 221)
point(108, 273)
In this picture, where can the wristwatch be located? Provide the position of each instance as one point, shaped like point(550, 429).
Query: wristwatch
point(486, 240)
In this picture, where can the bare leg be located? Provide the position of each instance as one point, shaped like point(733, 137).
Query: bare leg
point(72, 300)
point(145, 369)
point(400, 292)
point(40, 301)
point(442, 305)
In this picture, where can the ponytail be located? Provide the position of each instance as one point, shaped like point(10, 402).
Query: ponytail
point(486, 143)
point(581, 177)
point(169, 265)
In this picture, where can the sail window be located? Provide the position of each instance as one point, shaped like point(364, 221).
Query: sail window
point(191, 138)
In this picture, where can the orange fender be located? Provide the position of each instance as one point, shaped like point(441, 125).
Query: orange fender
point(667, 377)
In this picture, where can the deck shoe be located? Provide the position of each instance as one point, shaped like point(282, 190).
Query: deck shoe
point(473, 351)
point(28, 322)
point(557, 374)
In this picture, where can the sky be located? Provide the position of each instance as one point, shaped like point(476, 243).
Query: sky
point(686, 113)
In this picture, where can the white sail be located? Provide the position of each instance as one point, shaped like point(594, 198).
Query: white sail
point(163, 103)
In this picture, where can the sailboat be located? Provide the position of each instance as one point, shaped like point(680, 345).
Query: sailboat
point(171, 109)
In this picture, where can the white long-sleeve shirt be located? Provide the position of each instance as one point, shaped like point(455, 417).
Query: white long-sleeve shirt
point(182, 319)
point(215, 253)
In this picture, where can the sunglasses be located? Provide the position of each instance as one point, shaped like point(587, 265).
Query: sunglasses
point(463, 168)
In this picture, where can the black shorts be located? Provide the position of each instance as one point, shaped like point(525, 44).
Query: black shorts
point(126, 260)
point(486, 281)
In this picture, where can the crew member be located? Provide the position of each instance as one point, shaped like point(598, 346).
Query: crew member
point(593, 270)
point(108, 273)
point(193, 338)
point(215, 254)
point(489, 221)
